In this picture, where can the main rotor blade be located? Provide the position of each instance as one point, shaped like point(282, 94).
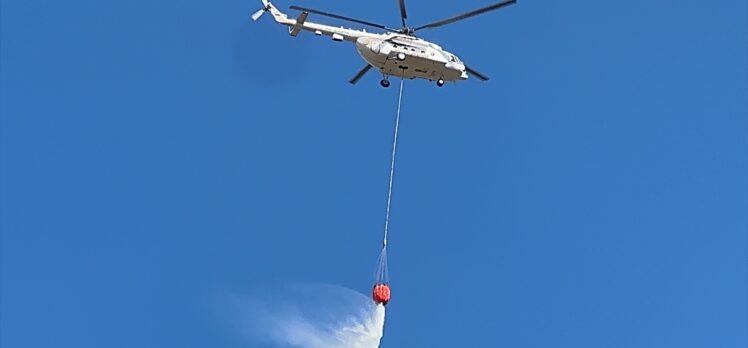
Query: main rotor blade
point(467, 15)
point(403, 13)
point(360, 74)
point(332, 15)
point(476, 74)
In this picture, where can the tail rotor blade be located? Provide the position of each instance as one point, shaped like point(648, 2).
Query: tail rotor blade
point(360, 74)
point(476, 74)
point(258, 14)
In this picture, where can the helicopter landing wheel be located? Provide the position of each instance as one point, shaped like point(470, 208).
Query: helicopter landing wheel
point(385, 83)
point(440, 82)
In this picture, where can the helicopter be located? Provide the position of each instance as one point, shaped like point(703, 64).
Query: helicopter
point(396, 52)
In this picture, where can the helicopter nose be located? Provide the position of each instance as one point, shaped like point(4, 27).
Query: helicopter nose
point(454, 66)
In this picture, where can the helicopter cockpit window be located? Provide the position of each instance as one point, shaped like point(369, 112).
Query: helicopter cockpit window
point(452, 58)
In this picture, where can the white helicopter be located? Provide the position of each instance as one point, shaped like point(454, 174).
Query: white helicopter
point(397, 52)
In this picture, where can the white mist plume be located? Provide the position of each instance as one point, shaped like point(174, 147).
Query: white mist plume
point(364, 331)
point(311, 316)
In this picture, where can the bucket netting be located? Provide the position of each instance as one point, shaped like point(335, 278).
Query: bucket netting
point(382, 274)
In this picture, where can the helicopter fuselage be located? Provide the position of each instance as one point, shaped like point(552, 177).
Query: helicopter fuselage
point(410, 57)
point(393, 54)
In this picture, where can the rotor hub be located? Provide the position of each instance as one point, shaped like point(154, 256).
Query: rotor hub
point(408, 31)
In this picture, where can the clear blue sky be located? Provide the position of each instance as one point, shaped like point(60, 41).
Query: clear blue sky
point(593, 193)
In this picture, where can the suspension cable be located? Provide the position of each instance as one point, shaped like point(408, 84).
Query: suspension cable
point(392, 162)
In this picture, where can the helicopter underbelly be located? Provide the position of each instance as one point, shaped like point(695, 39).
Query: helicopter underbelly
point(417, 64)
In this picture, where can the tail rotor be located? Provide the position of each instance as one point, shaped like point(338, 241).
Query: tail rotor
point(259, 13)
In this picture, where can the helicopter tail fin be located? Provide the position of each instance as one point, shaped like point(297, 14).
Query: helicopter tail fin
point(296, 28)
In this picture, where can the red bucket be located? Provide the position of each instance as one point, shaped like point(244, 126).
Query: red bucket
point(381, 293)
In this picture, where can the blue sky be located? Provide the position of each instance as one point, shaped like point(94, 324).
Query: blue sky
point(593, 193)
